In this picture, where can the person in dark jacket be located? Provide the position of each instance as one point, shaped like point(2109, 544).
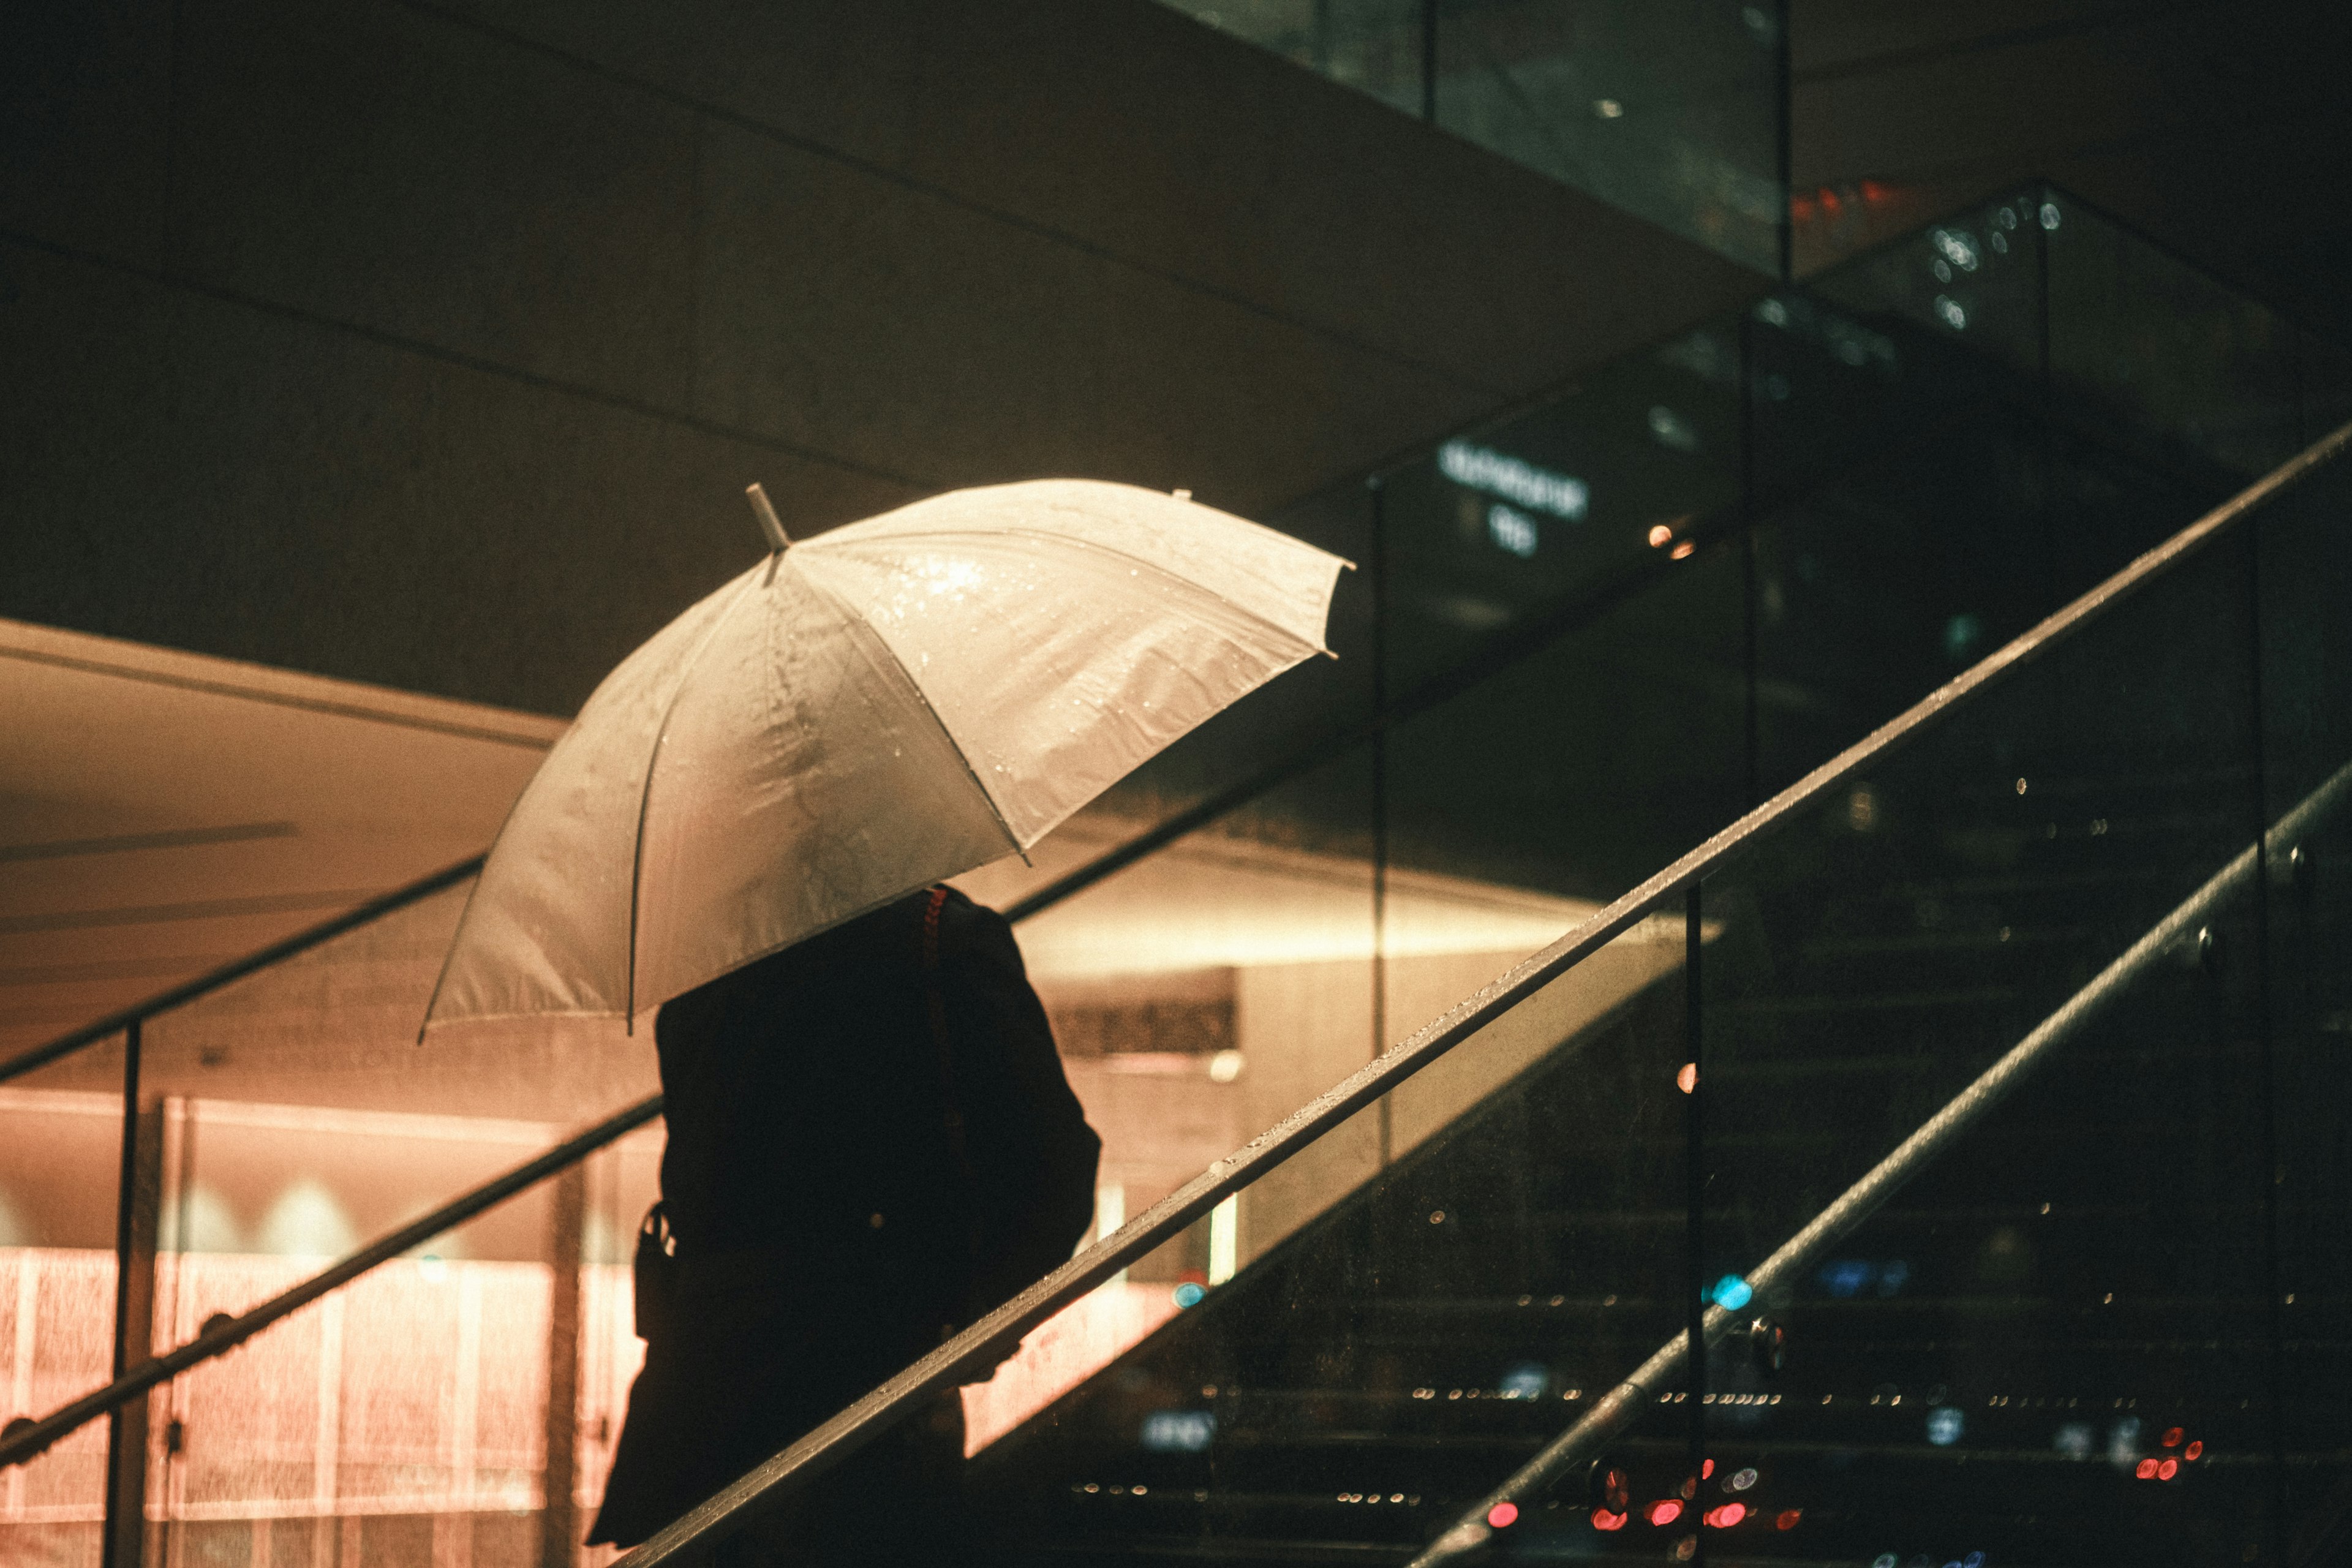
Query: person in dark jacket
point(871, 1143)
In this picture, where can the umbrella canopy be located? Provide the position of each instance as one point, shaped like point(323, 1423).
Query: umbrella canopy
point(863, 714)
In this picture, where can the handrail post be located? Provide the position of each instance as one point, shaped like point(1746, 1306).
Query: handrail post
point(137, 1197)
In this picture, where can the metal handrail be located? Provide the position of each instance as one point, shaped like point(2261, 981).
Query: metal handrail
point(1623, 1404)
point(989, 1339)
point(237, 969)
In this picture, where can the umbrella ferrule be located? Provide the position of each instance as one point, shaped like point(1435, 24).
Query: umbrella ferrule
point(770, 527)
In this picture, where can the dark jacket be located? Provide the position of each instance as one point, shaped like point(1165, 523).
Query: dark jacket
point(833, 1224)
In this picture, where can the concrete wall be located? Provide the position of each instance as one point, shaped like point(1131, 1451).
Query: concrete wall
point(432, 345)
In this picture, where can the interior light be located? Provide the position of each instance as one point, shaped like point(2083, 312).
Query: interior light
point(1665, 1512)
point(1727, 1516)
point(1687, 1078)
point(1682, 551)
point(1608, 108)
point(1660, 536)
point(1602, 1519)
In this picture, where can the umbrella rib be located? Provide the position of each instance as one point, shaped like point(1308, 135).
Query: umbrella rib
point(850, 614)
point(1151, 566)
point(645, 789)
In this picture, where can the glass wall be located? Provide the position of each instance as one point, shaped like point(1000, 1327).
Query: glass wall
point(1672, 114)
point(1988, 1107)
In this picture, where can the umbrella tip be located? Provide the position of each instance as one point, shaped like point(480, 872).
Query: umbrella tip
point(772, 530)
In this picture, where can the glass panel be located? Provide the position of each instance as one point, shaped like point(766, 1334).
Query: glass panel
point(1372, 45)
point(2197, 378)
point(1673, 115)
point(1669, 112)
point(1539, 522)
point(2017, 1356)
point(2305, 575)
point(1460, 1300)
point(302, 1118)
point(60, 1171)
point(414, 1415)
point(1197, 998)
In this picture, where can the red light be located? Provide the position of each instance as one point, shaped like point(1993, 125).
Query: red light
point(2144, 1470)
point(1788, 1517)
point(2171, 1438)
point(1707, 1470)
point(1873, 192)
point(2166, 1470)
point(1503, 1515)
point(1727, 1516)
point(2195, 1450)
point(1665, 1512)
point(1830, 202)
point(1802, 208)
point(1604, 1520)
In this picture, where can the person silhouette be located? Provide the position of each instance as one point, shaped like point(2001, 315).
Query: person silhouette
point(871, 1143)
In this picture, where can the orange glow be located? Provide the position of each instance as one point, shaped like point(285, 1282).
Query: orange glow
point(1502, 1514)
point(1802, 208)
point(1789, 1518)
point(2166, 1470)
point(1707, 1470)
point(1830, 202)
point(2144, 1470)
point(1682, 551)
point(2195, 1450)
point(1665, 1512)
point(1727, 1516)
point(1604, 1520)
point(1688, 1079)
point(2171, 1438)
point(1874, 192)
point(1660, 535)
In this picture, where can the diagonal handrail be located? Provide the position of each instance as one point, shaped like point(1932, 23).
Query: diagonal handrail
point(1624, 1403)
point(237, 969)
point(24, 1440)
point(994, 1335)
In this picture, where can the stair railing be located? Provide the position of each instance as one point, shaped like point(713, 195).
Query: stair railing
point(986, 1341)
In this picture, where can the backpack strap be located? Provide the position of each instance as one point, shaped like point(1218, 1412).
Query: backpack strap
point(944, 1045)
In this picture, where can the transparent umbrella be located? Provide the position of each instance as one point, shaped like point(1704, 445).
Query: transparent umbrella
point(862, 714)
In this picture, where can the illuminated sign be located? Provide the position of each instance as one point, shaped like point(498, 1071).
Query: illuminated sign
point(1514, 480)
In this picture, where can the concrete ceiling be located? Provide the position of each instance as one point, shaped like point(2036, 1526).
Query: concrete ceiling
point(162, 813)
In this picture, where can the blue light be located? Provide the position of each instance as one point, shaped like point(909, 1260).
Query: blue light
point(1500, 474)
point(1847, 1277)
point(1186, 1294)
point(1893, 1277)
point(1730, 1293)
point(1973, 1559)
point(1944, 1426)
point(1179, 1431)
point(1526, 1381)
point(1511, 530)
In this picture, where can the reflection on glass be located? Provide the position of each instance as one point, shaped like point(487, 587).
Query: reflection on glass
point(1671, 114)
